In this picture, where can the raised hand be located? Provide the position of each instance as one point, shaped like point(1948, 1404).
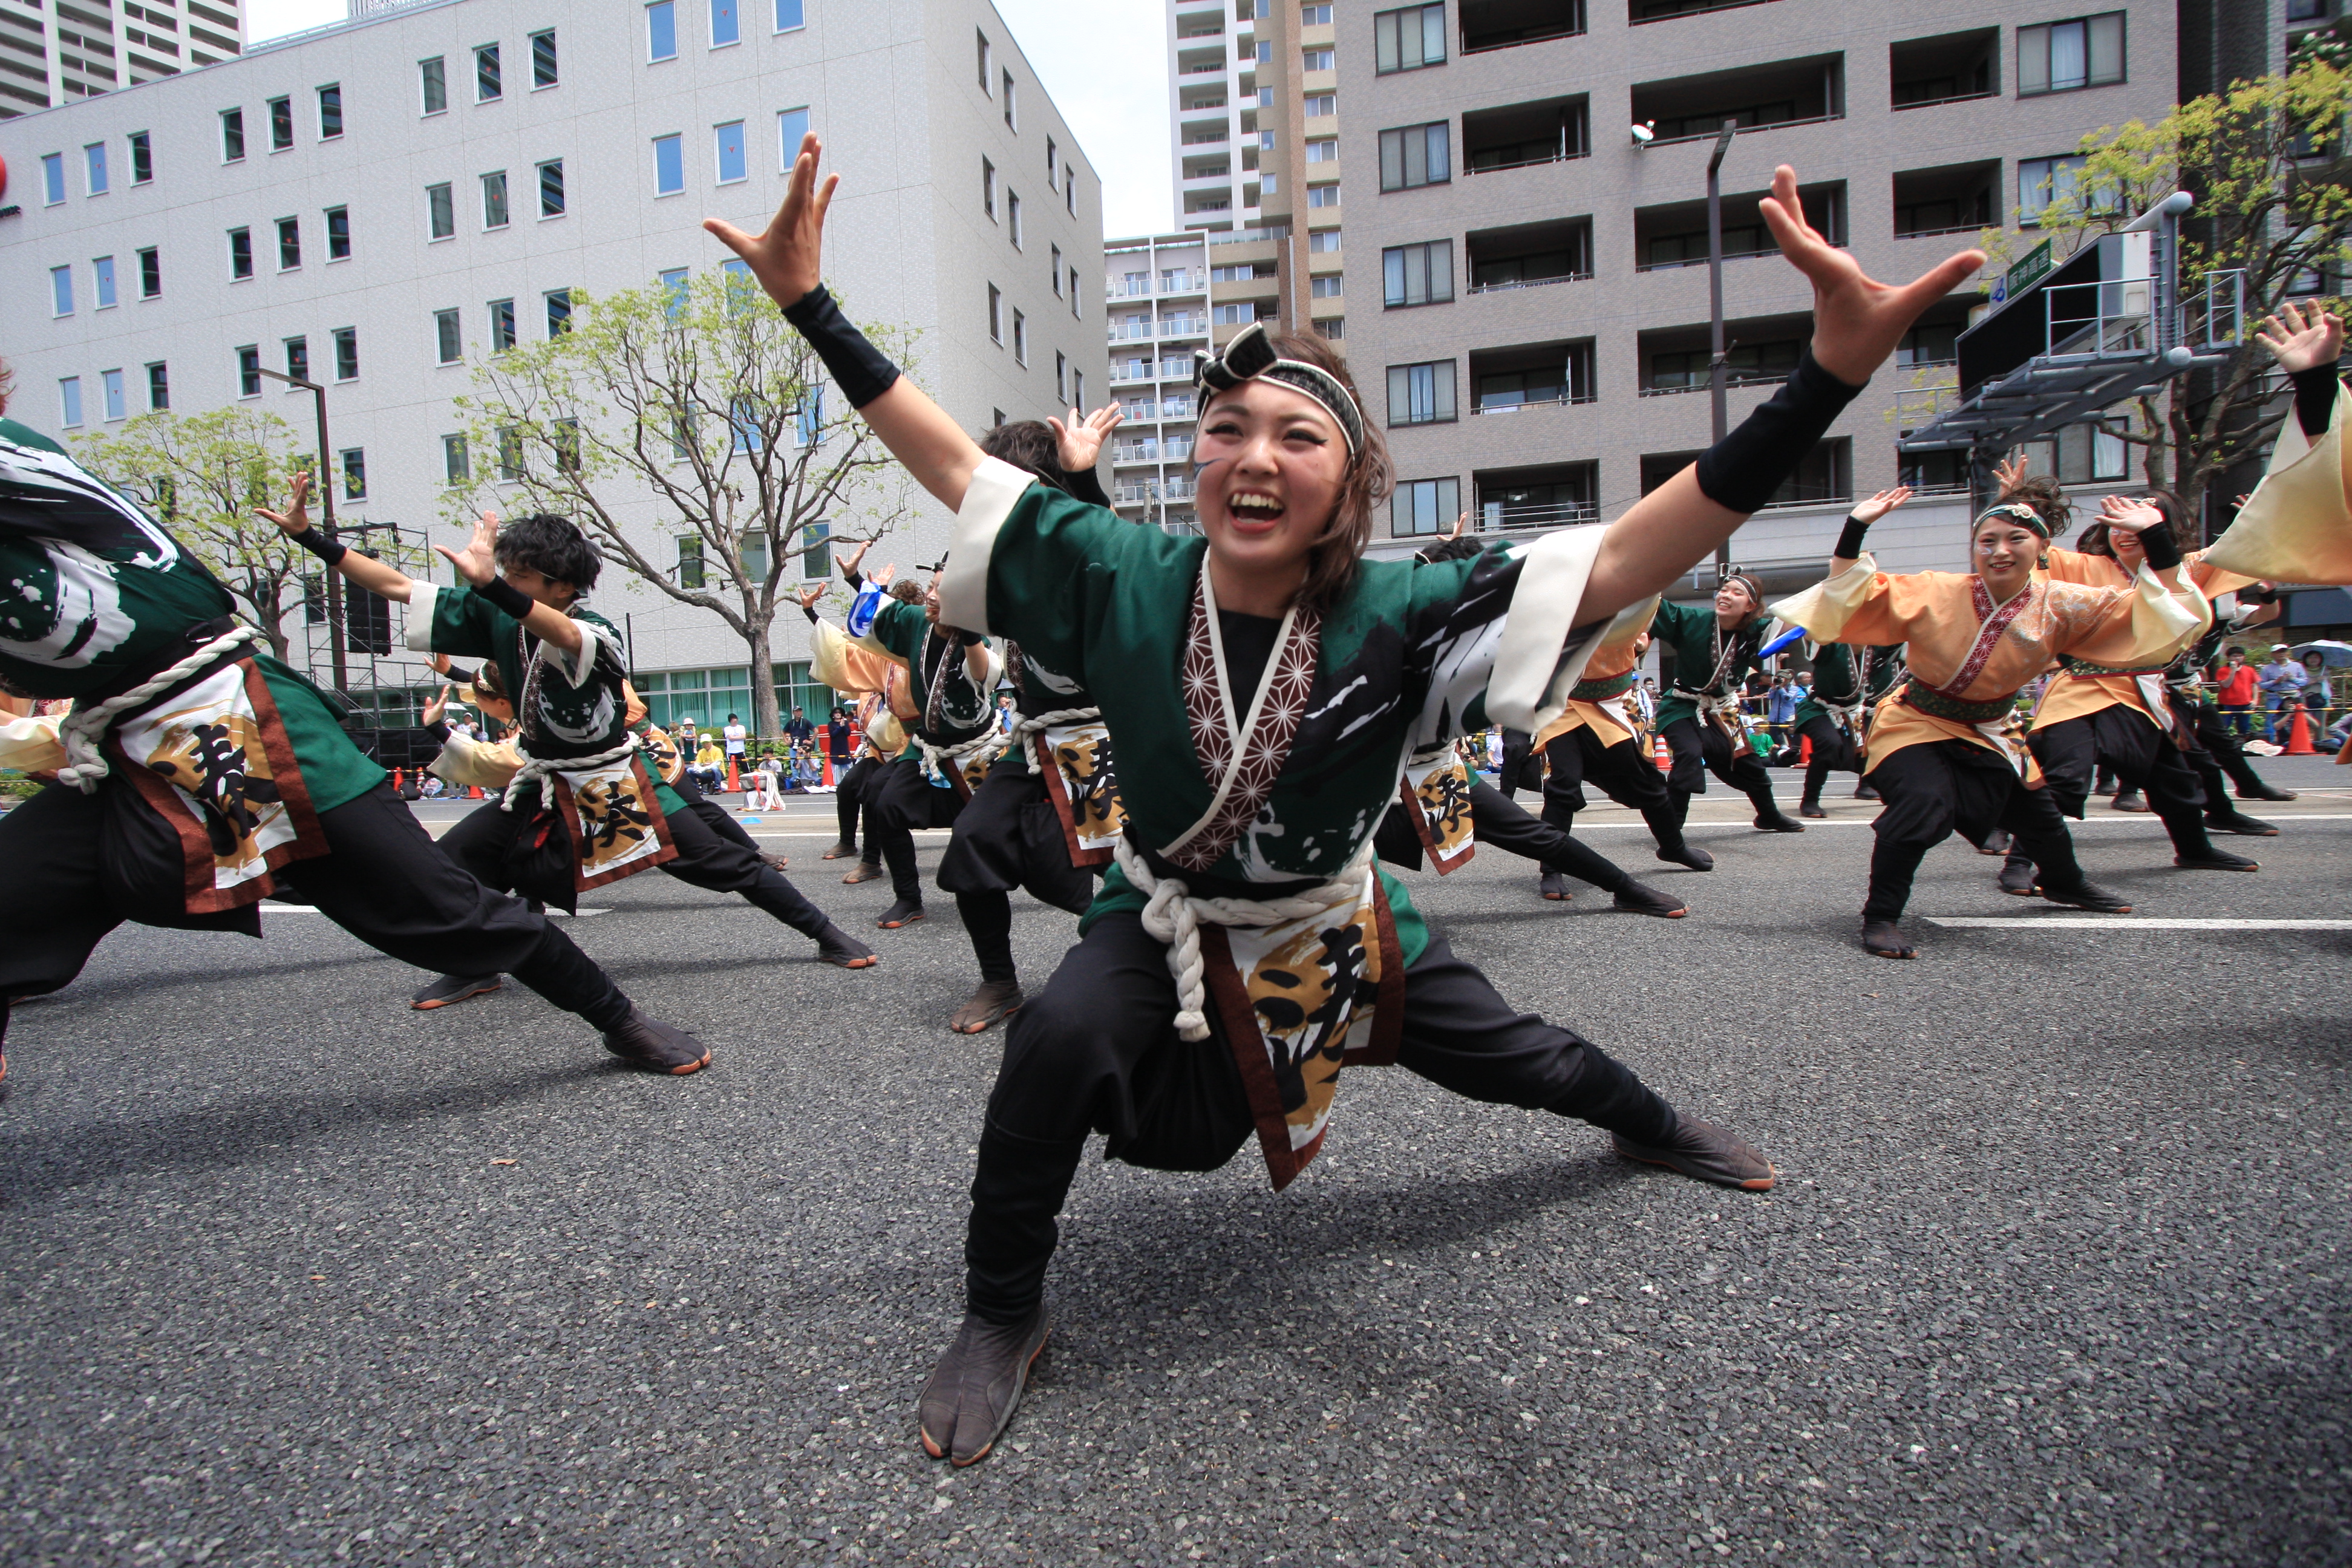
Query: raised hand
point(2009, 473)
point(1881, 503)
point(435, 708)
point(1857, 321)
point(1079, 442)
point(296, 518)
point(807, 597)
point(478, 562)
point(857, 559)
point(2308, 337)
point(785, 256)
point(2131, 514)
point(881, 578)
point(1460, 521)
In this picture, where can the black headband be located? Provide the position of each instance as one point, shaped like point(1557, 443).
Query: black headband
point(1252, 356)
point(2017, 510)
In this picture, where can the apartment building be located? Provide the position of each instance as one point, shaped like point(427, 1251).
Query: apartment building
point(385, 202)
point(1532, 325)
point(1156, 313)
point(53, 51)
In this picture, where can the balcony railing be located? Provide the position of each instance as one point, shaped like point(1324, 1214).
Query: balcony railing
point(1731, 380)
point(1709, 134)
point(1955, 98)
point(1933, 233)
point(1700, 260)
point(1527, 403)
point(1204, 68)
point(1530, 283)
point(1469, 167)
point(1183, 326)
point(1120, 332)
point(1493, 517)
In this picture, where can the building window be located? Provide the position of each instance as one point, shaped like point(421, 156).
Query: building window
point(1053, 271)
point(816, 559)
point(53, 170)
point(159, 388)
point(1070, 193)
point(1424, 506)
point(339, 234)
point(1324, 59)
point(1409, 39)
point(1416, 155)
point(240, 253)
point(1323, 241)
point(347, 353)
point(69, 402)
point(331, 112)
point(669, 166)
point(995, 316)
point(1325, 288)
point(502, 325)
point(2041, 182)
point(1077, 389)
point(1020, 338)
point(1074, 293)
point(440, 211)
point(988, 187)
point(448, 347)
point(1315, 16)
point(433, 86)
point(725, 28)
point(1323, 150)
point(102, 277)
point(1323, 195)
point(1232, 315)
point(151, 274)
point(509, 452)
point(454, 470)
point(354, 473)
point(791, 128)
point(987, 57)
point(1013, 216)
point(94, 168)
point(542, 59)
point(791, 16)
point(249, 371)
point(289, 244)
point(494, 200)
point(1062, 378)
point(551, 188)
point(109, 392)
point(690, 561)
point(297, 358)
point(661, 30)
point(1053, 164)
point(1319, 105)
point(143, 158)
point(281, 124)
point(2060, 57)
point(1012, 122)
point(232, 147)
point(489, 83)
point(559, 311)
point(1421, 394)
point(1566, 380)
point(728, 139)
point(1331, 327)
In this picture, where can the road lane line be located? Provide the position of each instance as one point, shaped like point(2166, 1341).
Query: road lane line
point(2132, 922)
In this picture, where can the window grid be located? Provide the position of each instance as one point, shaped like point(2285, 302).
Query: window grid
point(297, 359)
point(249, 371)
point(559, 311)
point(240, 253)
point(232, 146)
point(494, 200)
point(1416, 155)
point(1417, 274)
point(339, 234)
point(433, 86)
point(331, 112)
point(159, 388)
point(347, 353)
point(2064, 56)
point(1408, 39)
point(151, 274)
point(502, 325)
point(448, 343)
point(454, 470)
point(551, 188)
point(490, 81)
point(440, 212)
point(281, 124)
point(1422, 393)
point(289, 244)
point(988, 188)
point(542, 59)
point(1020, 338)
point(143, 158)
point(1424, 506)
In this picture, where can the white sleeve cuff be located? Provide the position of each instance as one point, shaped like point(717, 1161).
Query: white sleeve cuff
point(1534, 663)
point(421, 597)
point(987, 501)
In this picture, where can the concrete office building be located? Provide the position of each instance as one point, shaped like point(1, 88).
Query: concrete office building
point(380, 200)
point(1156, 310)
point(54, 51)
point(1532, 320)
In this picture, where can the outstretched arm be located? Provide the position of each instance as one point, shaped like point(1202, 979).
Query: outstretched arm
point(1857, 321)
point(1858, 522)
point(365, 570)
point(785, 259)
point(2307, 346)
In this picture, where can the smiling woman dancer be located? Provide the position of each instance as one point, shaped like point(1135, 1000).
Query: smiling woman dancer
point(1263, 687)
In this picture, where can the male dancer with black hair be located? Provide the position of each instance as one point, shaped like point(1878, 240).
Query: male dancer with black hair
point(581, 811)
point(197, 774)
point(1848, 682)
point(1713, 650)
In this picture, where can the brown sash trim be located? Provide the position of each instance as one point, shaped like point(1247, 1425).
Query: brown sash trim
point(1936, 705)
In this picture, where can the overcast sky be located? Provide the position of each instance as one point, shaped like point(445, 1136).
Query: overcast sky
point(1104, 61)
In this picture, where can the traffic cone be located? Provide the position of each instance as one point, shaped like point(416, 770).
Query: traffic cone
point(2298, 735)
point(1804, 748)
point(732, 784)
point(1662, 754)
point(395, 781)
point(828, 768)
point(473, 791)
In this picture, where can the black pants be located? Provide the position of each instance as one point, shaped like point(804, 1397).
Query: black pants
point(1833, 749)
point(1098, 1051)
point(2144, 758)
point(1700, 749)
point(1937, 787)
point(713, 853)
point(1620, 771)
point(381, 881)
point(902, 799)
point(2217, 754)
point(1009, 835)
point(1522, 769)
point(1511, 827)
point(850, 789)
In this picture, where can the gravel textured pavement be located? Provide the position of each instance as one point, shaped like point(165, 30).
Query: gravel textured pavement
point(2056, 1272)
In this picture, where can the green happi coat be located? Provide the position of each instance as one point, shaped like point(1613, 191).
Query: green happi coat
point(1414, 654)
point(1701, 664)
point(1835, 682)
point(954, 707)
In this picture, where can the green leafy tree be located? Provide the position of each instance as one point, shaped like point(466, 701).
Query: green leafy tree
point(687, 429)
point(204, 474)
point(2267, 162)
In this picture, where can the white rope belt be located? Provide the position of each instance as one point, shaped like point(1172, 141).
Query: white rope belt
point(534, 769)
point(1020, 732)
point(1173, 916)
point(84, 728)
point(935, 758)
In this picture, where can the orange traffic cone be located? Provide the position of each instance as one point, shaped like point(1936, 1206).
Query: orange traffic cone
point(1662, 754)
point(828, 769)
point(473, 791)
point(733, 785)
point(1804, 748)
point(395, 781)
point(2298, 735)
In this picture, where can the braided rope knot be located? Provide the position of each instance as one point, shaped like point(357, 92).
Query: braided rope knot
point(1173, 916)
point(534, 769)
point(990, 742)
point(1022, 731)
point(82, 730)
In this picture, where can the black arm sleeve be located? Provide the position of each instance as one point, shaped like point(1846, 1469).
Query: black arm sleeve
point(1742, 470)
point(327, 550)
point(858, 367)
point(2315, 397)
point(1086, 487)
point(2163, 550)
point(1849, 544)
point(504, 595)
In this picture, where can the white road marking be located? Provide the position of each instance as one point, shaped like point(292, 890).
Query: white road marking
point(277, 909)
point(2132, 922)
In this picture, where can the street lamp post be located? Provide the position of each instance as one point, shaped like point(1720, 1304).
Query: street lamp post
point(1717, 384)
point(338, 651)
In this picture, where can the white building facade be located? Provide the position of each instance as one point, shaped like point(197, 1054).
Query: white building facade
point(326, 200)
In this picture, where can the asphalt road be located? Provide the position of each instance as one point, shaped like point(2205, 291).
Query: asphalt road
point(2057, 1272)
